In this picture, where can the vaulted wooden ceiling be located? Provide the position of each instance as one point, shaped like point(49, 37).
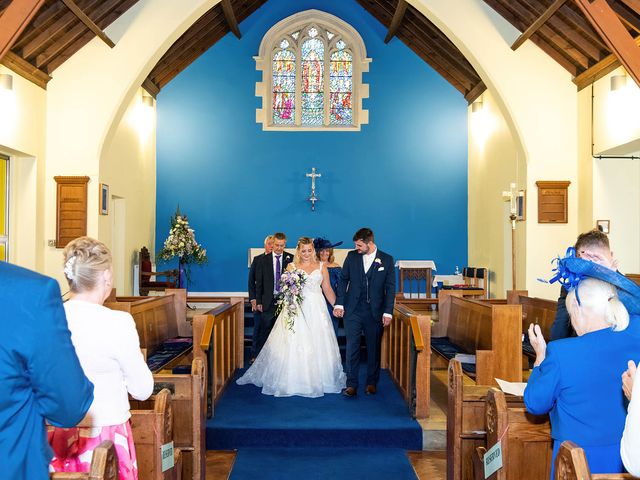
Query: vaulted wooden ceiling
point(56, 29)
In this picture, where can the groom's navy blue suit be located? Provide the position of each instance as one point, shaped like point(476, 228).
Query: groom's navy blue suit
point(365, 298)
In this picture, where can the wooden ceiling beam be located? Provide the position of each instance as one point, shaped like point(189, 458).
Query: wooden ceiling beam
point(187, 57)
point(607, 24)
point(107, 14)
point(46, 37)
point(398, 15)
point(46, 16)
point(633, 5)
point(230, 17)
point(437, 62)
point(14, 20)
point(627, 16)
point(71, 41)
point(599, 70)
point(25, 69)
point(189, 41)
point(84, 18)
point(535, 26)
point(438, 42)
point(151, 88)
point(475, 92)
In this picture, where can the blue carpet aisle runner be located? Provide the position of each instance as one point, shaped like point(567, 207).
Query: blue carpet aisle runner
point(322, 463)
point(366, 435)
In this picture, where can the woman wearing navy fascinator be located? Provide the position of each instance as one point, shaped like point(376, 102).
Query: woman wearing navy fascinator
point(577, 380)
point(324, 253)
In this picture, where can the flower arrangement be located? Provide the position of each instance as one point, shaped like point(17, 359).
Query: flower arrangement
point(182, 243)
point(290, 298)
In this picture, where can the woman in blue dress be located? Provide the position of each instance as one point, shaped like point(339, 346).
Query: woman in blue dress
point(324, 253)
point(577, 380)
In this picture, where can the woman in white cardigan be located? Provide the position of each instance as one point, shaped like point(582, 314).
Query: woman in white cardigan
point(630, 445)
point(107, 344)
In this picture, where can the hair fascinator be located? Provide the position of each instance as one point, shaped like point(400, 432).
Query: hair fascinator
point(571, 270)
point(320, 243)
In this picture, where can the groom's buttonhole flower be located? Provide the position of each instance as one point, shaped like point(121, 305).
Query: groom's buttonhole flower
point(377, 260)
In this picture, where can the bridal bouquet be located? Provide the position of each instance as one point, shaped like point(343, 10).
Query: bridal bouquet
point(290, 298)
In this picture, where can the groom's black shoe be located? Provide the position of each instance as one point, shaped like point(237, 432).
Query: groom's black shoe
point(350, 392)
point(371, 390)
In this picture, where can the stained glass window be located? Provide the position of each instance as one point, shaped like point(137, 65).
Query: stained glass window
point(341, 88)
point(315, 77)
point(312, 84)
point(284, 87)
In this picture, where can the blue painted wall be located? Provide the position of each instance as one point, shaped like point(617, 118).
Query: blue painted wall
point(404, 174)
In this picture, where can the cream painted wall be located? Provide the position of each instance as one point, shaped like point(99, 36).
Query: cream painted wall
point(494, 163)
point(616, 125)
point(128, 166)
point(540, 106)
point(616, 198)
point(90, 93)
point(22, 137)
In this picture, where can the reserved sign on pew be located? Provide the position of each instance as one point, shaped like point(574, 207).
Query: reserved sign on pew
point(493, 460)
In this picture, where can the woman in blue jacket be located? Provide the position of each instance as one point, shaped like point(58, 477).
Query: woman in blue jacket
point(577, 380)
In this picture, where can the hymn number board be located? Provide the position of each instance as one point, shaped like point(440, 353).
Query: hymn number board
point(553, 201)
point(71, 209)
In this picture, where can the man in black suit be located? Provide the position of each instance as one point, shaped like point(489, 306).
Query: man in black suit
point(268, 271)
point(268, 248)
point(365, 299)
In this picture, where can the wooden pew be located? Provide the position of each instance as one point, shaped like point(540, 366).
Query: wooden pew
point(104, 465)
point(406, 353)
point(571, 464)
point(527, 446)
point(635, 277)
point(534, 310)
point(491, 332)
point(152, 429)
point(157, 319)
point(188, 392)
point(466, 422)
point(221, 346)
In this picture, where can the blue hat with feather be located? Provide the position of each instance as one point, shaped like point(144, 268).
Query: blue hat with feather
point(320, 243)
point(571, 270)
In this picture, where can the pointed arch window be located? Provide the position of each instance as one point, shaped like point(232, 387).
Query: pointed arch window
point(312, 65)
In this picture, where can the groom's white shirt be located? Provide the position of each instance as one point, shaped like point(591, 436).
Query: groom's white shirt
point(368, 259)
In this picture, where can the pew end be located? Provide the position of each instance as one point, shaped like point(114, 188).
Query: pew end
point(152, 429)
point(571, 464)
point(527, 446)
point(104, 465)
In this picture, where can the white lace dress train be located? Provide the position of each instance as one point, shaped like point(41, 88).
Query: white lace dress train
point(304, 361)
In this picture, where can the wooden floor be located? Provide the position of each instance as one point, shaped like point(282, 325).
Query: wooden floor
point(428, 465)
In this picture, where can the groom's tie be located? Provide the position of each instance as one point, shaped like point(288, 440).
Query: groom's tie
point(278, 273)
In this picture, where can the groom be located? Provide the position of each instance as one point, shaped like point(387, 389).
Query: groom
point(268, 271)
point(365, 298)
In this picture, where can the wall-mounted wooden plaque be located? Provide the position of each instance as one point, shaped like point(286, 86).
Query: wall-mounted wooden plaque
point(71, 209)
point(553, 201)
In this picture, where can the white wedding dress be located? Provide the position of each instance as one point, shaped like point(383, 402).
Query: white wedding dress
point(304, 361)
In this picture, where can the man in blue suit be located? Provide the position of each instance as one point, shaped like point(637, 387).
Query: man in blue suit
point(40, 375)
point(365, 298)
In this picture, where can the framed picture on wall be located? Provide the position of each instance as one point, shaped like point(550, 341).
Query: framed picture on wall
point(603, 226)
point(104, 199)
point(521, 206)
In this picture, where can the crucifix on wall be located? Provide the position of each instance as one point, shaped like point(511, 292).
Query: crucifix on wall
point(312, 198)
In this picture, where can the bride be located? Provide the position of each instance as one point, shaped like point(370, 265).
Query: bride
point(303, 360)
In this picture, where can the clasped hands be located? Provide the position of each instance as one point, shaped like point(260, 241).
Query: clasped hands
point(339, 313)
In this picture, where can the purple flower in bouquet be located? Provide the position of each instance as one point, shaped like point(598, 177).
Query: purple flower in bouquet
point(290, 298)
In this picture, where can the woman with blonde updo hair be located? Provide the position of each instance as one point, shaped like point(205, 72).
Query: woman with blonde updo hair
point(301, 356)
point(107, 344)
point(577, 380)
